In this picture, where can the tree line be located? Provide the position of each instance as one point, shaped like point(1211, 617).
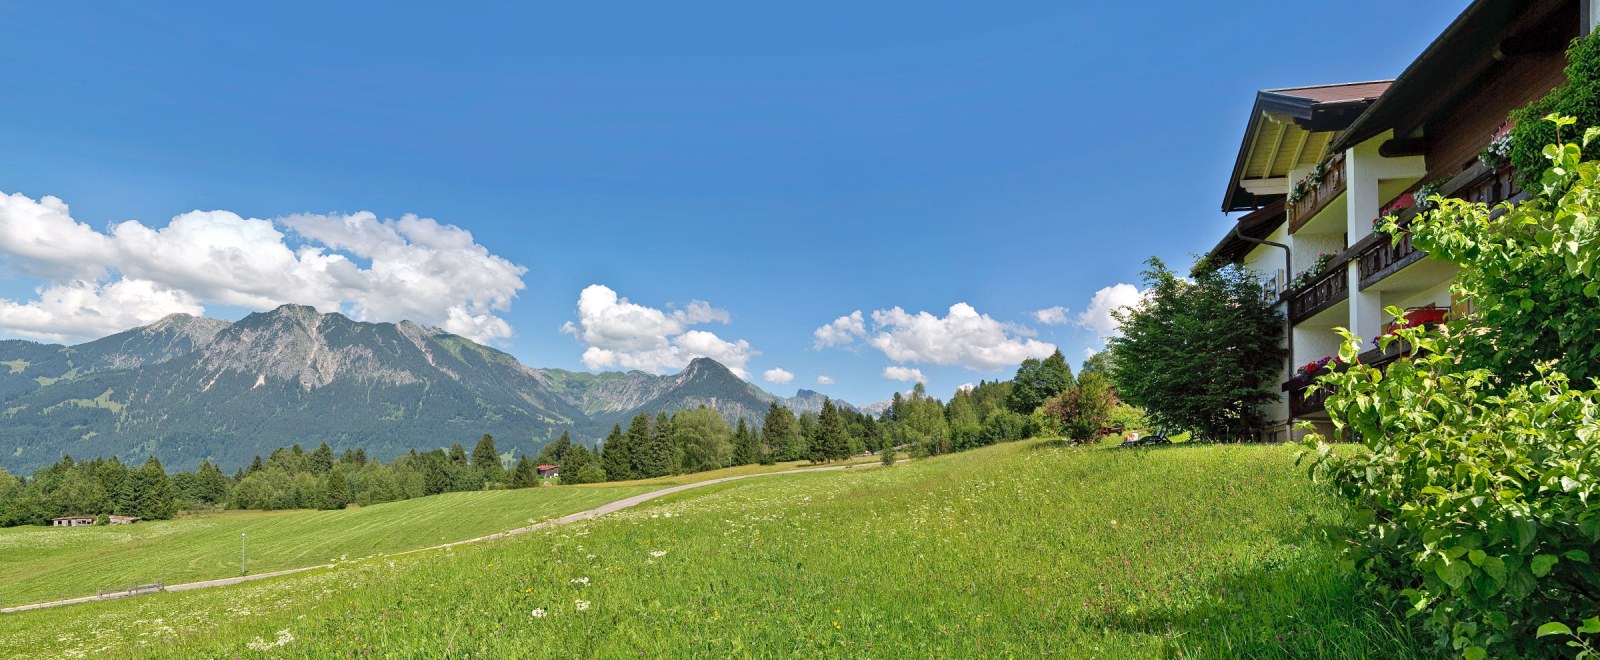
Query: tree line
point(1043, 399)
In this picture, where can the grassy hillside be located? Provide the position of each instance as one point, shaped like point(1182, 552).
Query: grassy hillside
point(1025, 549)
point(44, 563)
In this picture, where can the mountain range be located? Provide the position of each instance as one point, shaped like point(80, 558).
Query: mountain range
point(188, 388)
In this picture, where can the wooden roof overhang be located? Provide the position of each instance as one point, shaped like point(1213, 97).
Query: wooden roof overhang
point(1291, 128)
point(1257, 224)
point(1487, 32)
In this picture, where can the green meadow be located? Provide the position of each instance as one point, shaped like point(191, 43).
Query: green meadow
point(1027, 549)
point(49, 563)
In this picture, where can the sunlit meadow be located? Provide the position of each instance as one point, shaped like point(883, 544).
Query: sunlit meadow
point(1024, 549)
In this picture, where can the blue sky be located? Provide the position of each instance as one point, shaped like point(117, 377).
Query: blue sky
point(784, 165)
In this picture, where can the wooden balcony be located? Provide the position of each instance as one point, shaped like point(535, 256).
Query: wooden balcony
point(1333, 185)
point(1379, 257)
point(1301, 404)
point(1385, 257)
point(1324, 292)
point(1308, 400)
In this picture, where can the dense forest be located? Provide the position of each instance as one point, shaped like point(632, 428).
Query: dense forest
point(1043, 400)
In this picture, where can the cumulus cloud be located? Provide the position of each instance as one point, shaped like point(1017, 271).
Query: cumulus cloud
point(843, 330)
point(622, 334)
point(1098, 317)
point(372, 269)
point(1051, 315)
point(777, 375)
point(824, 380)
point(906, 374)
point(963, 336)
point(966, 387)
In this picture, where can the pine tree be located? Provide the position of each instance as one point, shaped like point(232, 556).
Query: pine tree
point(486, 460)
point(211, 486)
point(652, 451)
point(782, 434)
point(616, 456)
point(745, 447)
point(321, 460)
point(578, 465)
point(555, 452)
point(335, 490)
point(525, 473)
point(832, 440)
point(458, 455)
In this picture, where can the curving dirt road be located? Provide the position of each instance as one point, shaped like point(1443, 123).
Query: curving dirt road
point(563, 520)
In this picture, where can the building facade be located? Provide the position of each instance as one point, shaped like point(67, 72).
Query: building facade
point(1318, 165)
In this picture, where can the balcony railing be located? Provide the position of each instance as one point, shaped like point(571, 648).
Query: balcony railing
point(1379, 257)
point(1386, 257)
point(1324, 292)
point(1333, 184)
point(1306, 399)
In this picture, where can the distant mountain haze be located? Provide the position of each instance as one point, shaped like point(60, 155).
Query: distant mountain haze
point(187, 388)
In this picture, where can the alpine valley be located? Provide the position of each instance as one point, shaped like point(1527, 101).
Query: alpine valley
point(188, 388)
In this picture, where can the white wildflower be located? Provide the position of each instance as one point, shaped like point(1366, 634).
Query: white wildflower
point(538, 612)
point(658, 553)
point(583, 581)
point(582, 605)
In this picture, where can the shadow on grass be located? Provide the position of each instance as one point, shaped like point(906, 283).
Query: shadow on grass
point(1295, 602)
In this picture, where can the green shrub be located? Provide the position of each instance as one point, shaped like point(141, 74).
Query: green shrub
point(1478, 494)
point(1083, 412)
point(1579, 98)
point(1202, 354)
point(1474, 506)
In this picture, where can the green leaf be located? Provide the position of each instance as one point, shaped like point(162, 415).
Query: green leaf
point(1554, 628)
point(1474, 653)
point(1577, 556)
point(1589, 134)
point(1495, 568)
point(1590, 625)
point(1454, 573)
point(1542, 564)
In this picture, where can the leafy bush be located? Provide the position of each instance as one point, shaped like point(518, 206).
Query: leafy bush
point(1579, 98)
point(1005, 426)
point(1084, 411)
point(1477, 493)
point(1201, 354)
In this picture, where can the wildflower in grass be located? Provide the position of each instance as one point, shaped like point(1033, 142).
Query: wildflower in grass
point(538, 612)
point(658, 553)
point(582, 604)
point(583, 581)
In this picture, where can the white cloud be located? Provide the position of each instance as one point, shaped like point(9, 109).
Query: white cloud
point(71, 311)
point(966, 387)
point(621, 334)
point(1089, 353)
point(963, 336)
point(842, 330)
point(1098, 317)
point(416, 269)
point(779, 376)
point(909, 375)
point(824, 380)
point(1051, 315)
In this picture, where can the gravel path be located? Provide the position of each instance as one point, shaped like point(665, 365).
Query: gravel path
point(563, 520)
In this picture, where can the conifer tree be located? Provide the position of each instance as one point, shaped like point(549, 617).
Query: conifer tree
point(745, 449)
point(335, 490)
point(486, 460)
point(832, 439)
point(578, 465)
point(781, 434)
point(652, 451)
point(321, 460)
point(555, 452)
point(616, 456)
point(525, 473)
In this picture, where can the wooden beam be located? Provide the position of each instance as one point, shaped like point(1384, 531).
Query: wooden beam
point(1255, 136)
point(1299, 150)
point(1272, 156)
